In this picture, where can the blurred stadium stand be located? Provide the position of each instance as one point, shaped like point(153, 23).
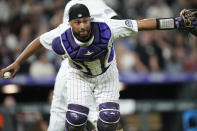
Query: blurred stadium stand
point(129, 78)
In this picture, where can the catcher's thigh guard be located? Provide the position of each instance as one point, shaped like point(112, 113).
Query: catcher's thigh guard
point(76, 117)
point(109, 116)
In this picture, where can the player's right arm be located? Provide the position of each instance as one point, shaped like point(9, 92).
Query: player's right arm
point(44, 40)
point(33, 47)
point(187, 21)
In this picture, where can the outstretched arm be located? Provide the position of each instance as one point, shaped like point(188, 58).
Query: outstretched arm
point(29, 50)
point(187, 21)
point(147, 24)
point(158, 24)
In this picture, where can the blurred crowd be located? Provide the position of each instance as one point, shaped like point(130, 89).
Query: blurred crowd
point(21, 21)
point(15, 119)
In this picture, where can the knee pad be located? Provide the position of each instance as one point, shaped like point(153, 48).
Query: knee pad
point(109, 116)
point(77, 115)
point(109, 112)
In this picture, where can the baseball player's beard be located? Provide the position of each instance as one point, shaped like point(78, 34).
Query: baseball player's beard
point(84, 35)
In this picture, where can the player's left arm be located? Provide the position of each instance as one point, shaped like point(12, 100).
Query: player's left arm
point(187, 21)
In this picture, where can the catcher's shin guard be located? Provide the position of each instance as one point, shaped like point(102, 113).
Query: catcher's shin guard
point(109, 116)
point(90, 126)
point(75, 128)
point(76, 117)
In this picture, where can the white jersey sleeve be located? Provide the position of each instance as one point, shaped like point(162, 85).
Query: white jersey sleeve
point(122, 28)
point(47, 38)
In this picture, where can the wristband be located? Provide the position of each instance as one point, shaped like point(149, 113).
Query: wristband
point(165, 24)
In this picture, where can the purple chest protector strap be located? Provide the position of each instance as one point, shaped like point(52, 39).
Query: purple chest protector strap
point(57, 47)
point(97, 49)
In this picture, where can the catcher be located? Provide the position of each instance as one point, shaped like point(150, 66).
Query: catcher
point(95, 64)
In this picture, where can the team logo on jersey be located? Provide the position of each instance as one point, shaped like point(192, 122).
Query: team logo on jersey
point(88, 53)
point(128, 23)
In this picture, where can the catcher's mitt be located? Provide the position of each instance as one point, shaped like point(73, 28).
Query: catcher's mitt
point(187, 21)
